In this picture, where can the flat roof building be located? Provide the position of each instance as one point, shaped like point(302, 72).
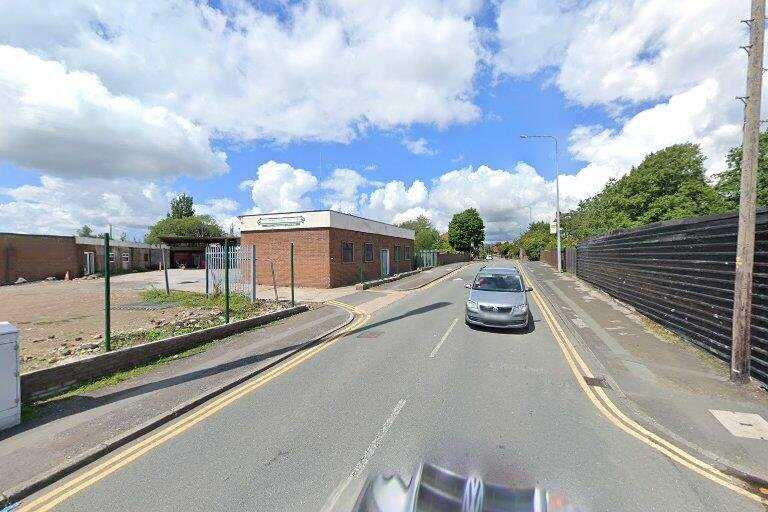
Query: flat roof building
point(330, 248)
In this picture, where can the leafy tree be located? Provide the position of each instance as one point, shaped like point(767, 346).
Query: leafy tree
point(197, 225)
point(444, 245)
point(466, 231)
point(536, 239)
point(123, 236)
point(182, 206)
point(729, 181)
point(85, 231)
point(426, 236)
point(668, 184)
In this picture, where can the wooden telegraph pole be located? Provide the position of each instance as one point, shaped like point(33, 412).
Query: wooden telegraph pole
point(745, 249)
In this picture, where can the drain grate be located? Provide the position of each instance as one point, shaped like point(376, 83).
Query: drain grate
point(147, 306)
point(597, 381)
point(370, 334)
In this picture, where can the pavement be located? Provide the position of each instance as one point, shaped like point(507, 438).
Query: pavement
point(412, 383)
point(64, 430)
point(667, 382)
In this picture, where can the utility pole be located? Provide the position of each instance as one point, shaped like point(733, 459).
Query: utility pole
point(745, 245)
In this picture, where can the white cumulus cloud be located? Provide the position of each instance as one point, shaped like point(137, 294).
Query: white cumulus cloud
point(67, 122)
point(419, 146)
point(316, 70)
point(280, 187)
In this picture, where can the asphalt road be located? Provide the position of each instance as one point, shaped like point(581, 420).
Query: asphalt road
point(504, 405)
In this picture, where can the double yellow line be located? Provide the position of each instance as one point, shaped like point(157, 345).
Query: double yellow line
point(124, 457)
point(604, 404)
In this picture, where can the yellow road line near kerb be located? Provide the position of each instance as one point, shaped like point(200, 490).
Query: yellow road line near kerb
point(128, 455)
point(606, 406)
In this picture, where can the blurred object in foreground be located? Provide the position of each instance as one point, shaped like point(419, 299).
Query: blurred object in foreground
point(433, 489)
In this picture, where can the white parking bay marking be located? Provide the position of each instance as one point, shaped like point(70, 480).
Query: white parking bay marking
point(442, 340)
point(333, 498)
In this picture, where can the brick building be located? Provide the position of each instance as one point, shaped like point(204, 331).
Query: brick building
point(36, 257)
point(330, 248)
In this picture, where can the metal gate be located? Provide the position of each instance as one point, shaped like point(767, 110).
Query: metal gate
point(242, 270)
point(426, 259)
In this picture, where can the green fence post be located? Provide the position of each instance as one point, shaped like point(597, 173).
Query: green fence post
point(107, 334)
point(293, 298)
point(360, 267)
point(226, 281)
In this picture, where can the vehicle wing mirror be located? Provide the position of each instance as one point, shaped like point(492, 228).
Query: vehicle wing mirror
point(467, 285)
point(529, 288)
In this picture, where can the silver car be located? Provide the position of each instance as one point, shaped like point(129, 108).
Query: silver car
point(498, 298)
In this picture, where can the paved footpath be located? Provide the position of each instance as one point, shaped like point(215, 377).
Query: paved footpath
point(412, 383)
point(669, 384)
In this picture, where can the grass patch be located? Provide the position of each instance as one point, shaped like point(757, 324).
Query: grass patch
point(240, 306)
point(160, 333)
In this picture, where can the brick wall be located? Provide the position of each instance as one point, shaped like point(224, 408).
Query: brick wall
point(318, 262)
point(311, 261)
point(343, 274)
point(35, 257)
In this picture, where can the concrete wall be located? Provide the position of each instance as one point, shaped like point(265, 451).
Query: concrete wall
point(47, 382)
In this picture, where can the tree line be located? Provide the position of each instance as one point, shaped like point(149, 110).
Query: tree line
point(466, 233)
point(668, 184)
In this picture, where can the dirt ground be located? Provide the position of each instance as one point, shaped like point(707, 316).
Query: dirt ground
point(64, 320)
point(58, 320)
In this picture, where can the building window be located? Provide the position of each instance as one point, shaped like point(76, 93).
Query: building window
point(347, 252)
point(397, 253)
point(407, 253)
point(368, 251)
point(111, 257)
point(126, 257)
point(146, 257)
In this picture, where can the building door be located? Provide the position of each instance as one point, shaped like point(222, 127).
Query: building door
point(126, 261)
point(89, 265)
point(384, 258)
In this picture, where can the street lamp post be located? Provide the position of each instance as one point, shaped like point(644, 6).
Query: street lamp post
point(557, 194)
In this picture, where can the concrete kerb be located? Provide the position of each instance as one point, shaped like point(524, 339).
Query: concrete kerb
point(422, 285)
point(33, 485)
point(376, 282)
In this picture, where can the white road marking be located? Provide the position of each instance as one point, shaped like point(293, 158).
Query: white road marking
point(743, 424)
point(331, 501)
point(442, 340)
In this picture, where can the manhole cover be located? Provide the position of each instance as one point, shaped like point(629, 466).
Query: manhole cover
point(597, 381)
point(370, 334)
point(147, 306)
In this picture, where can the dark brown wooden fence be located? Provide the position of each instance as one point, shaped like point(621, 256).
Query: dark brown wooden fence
point(680, 274)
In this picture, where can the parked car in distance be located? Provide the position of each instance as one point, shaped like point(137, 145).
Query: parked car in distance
point(497, 298)
point(489, 257)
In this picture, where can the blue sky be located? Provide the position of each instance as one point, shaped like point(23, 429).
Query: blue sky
point(413, 106)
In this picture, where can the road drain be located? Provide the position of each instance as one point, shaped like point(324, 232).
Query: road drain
point(597, 381)
point(370, 334)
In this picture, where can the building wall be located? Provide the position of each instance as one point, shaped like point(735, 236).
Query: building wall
point(317, 256)
point(35, 257)
point(343, 274)
point(311, 259)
